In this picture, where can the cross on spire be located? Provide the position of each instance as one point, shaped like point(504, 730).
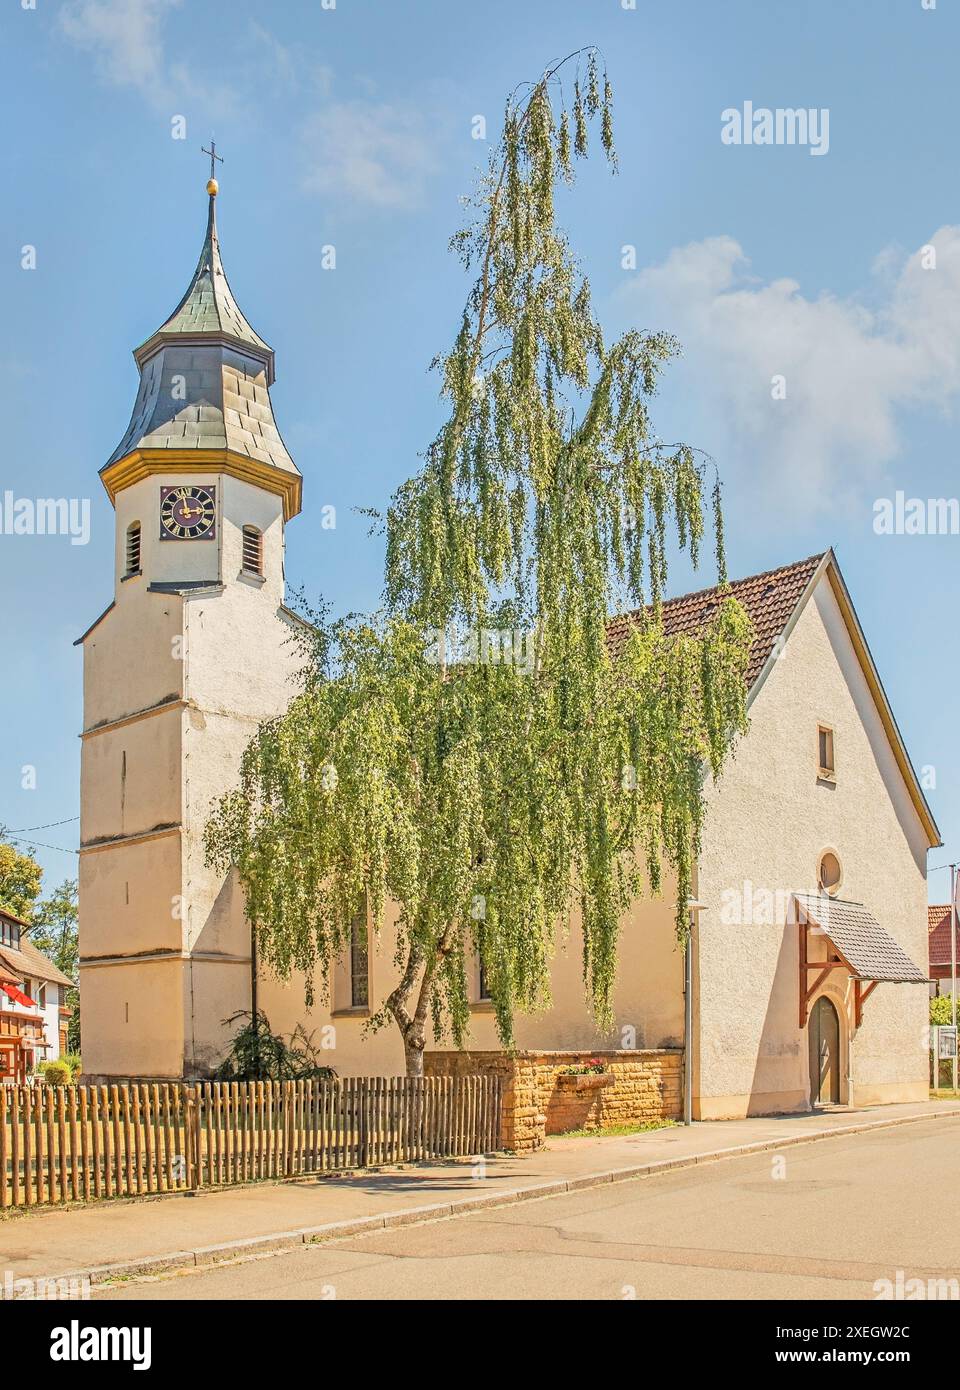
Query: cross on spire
point(212, 152)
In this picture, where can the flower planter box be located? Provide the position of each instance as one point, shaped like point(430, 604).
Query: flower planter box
point(585, 1081)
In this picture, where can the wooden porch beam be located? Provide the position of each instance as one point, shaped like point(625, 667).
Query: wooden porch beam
point(861, 996)
point(807, 991)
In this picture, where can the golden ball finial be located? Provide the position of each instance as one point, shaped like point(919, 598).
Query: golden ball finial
point(213, 188)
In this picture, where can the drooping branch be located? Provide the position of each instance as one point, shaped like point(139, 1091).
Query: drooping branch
point(475, 752)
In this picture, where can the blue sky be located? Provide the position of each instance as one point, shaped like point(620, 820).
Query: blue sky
point(352, 126)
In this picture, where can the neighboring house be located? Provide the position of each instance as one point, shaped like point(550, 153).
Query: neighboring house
point(938, 924)
point(812, 873)
point(33, 1007)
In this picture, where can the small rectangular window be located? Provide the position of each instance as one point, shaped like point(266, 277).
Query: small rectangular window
point(252, 551)
point(483, 989)
point(359, 966)
point(825, 742)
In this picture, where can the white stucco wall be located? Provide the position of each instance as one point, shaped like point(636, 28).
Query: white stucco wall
point(164, 946)
point(647, 1004)
point(769, 820)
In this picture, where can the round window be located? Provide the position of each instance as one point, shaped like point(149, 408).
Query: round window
point(830, 872)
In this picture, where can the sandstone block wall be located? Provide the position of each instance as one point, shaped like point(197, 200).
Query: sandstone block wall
point(539, 1099)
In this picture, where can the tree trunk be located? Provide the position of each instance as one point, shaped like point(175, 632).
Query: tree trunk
point(413, 1055)
point(413, 1026)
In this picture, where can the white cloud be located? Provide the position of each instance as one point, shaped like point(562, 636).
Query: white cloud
point(362, 150)
point(368, 152)
point(124, 37)
point(126, 40)
point(850, 369)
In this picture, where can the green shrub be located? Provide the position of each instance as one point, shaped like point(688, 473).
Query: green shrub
point(259, 1054)
point(940, 1010)
point(74, 1062)
point(56, 1073)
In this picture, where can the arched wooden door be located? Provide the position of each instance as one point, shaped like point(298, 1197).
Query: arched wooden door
point(824, 1031)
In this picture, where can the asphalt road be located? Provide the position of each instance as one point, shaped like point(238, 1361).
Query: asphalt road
point(820, 1221)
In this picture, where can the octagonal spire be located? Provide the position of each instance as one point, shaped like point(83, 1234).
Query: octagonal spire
point(208, 311)
point(204, 396)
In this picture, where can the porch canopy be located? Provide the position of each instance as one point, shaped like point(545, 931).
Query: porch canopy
point(856, 943)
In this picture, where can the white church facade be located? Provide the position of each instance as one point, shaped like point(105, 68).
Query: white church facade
point(809, 992)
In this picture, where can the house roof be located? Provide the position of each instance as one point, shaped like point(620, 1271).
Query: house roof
point(774, 601)
point(938, 925)
point(29, 962)
point(769, 599)
point(866, 947)
point(936, 912)
point(11, 917)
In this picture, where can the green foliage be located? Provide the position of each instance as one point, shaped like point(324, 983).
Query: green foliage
point(56, 1072)
point(55, 933)
point(75, 1062)
point(941, 1010)
point(489, 797)
point(619, 1131)
point(258, 1054)
point(54, 927)
point(20, 877)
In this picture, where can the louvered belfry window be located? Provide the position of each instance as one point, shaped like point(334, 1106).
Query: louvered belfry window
point(133, 548)
point(252, 550)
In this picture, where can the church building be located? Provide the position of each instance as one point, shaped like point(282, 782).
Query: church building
point(809, 922)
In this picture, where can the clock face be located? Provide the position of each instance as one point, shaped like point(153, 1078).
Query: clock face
point(188, 513)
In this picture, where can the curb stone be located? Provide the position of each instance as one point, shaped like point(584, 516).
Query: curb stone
point(208, 1255)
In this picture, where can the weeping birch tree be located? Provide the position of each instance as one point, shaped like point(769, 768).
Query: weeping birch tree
point(476, 758)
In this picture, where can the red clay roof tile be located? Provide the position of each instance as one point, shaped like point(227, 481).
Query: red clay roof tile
point(938, 925)
point(769, 599)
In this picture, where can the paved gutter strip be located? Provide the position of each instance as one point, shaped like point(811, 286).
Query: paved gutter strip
point(147, 1264)
point(207, 1255)
point(251, 1245)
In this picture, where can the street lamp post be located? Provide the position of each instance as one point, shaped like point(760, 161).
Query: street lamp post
point(694, 906)
point(953, 977)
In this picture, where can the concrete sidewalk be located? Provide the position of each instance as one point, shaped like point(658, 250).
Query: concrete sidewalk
point(113, 1239)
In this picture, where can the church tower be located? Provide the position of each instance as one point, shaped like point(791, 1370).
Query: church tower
point(191, 655)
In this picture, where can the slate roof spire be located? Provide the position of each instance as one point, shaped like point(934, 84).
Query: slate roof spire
point(205, 378)
point(208, 310)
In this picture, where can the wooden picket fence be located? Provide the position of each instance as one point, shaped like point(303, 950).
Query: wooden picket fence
point(77, 1143)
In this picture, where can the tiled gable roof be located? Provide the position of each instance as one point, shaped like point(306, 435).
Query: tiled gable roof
point(30, 963)
point(27, 960)
point(868, 948)
point(769, 600)
point(938, 925)
point(936, 914)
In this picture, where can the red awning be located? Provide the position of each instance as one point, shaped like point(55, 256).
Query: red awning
point(18, 996)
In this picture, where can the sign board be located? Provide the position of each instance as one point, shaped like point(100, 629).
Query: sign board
point(946, 1043)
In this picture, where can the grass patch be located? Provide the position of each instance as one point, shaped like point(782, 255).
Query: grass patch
point(617, 1131)
point(945, 1094)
